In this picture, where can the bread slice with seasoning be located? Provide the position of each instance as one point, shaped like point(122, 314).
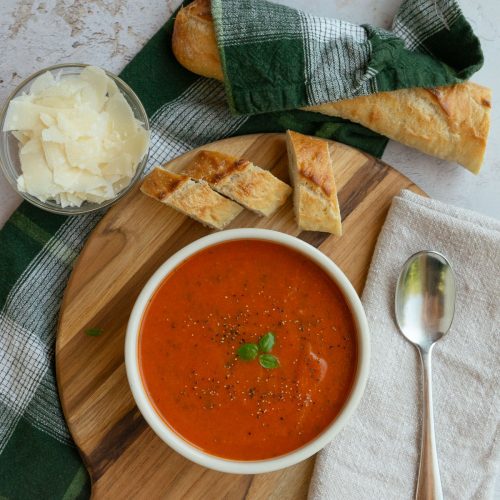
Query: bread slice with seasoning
point(315, 193)
point(194, 199)
point(242, 181)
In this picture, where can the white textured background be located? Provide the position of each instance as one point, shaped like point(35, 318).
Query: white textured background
point(35, 34)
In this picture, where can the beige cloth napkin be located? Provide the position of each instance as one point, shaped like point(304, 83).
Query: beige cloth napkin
point(376, 455)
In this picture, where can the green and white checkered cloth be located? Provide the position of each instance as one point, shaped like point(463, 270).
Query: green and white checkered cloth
point(38, 249)
point(276, 58)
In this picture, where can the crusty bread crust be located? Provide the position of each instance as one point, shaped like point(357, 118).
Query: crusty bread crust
point(193, 41)
point(194, 199)
point(451, 123)
point(242, 181)
point(160, 183)
point(315, 193)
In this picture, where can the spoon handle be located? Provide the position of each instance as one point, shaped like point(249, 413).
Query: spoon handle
point(429, 481)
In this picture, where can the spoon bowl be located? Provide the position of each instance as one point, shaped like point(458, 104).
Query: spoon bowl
point(425, 298)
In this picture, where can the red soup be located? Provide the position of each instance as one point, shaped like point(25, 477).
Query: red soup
point(211, 379)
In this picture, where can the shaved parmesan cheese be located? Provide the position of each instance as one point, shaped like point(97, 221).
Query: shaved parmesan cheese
point(44, 81)
point(21, 186)
point(85, 154)
point(47, 119)
point(55, 156)
point(53, 134)
point(77, 180)
point(121, 115)
point(37, 178)
point(67, 86)
point(71, 199)
point(112, 88)
point(79, 139)
point(22, 137)
point(95, 92)
point(121, 184)
point(137, 145)
point(120, 166)
point(80, 122)
point(24, 115)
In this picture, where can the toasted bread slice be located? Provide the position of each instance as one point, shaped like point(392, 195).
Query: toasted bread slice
point(241, 180)
point(195, 199)
point(315, 194)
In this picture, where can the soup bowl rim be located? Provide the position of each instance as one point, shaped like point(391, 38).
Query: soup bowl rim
point(175, 440)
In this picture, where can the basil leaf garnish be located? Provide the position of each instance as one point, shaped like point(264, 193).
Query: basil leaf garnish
point(268, 361)
point(93, 332)
point(248, 352)
point(266, 342)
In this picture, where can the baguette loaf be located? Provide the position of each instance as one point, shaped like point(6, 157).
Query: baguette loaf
point(195, 199)
point(315, 193)
point(242, 181)
point(450, 122)
point(194, 43)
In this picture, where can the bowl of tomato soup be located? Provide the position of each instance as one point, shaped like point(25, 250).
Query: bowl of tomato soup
point(247, 351)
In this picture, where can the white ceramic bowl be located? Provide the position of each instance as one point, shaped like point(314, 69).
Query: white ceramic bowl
point(173, 439)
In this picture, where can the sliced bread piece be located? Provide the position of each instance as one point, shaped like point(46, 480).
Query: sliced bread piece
point(242, 181)
point(195, 199)
point(315, 194)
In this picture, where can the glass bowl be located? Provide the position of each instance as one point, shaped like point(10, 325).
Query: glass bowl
point(9, 145)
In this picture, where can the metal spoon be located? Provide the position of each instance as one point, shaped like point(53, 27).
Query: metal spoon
point(425, 304)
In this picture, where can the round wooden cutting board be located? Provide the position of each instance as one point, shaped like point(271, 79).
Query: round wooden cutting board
point(124, 457)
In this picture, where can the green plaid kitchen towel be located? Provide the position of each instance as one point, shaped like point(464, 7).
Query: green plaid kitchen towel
point(275, 57)
point(38, 249)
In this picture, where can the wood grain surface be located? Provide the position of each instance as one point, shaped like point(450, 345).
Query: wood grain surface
point(124, 457)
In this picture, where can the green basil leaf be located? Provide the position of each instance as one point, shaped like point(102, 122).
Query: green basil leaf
point(266, 342)
point(93, 332)
point(268, 361)
point(248, 351)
